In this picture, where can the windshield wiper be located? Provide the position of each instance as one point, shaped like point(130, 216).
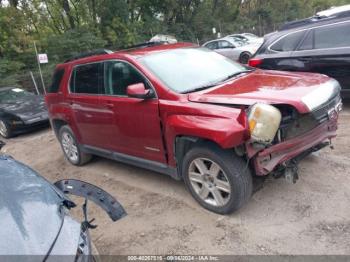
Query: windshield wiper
point(199, 88)
point(212, 84)
point(235, 74)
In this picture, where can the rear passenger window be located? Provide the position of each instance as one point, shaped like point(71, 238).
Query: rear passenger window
point(87, 79)
point(56, 81)
point(288, 43)
point(332, 36)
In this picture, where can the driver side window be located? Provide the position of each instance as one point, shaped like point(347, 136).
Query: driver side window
point(119, 75)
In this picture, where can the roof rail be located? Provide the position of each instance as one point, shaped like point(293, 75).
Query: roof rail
point(144, 45)
point(313, 20)
point(89, 53)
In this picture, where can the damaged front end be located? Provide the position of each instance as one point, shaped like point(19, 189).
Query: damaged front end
point(290, 136)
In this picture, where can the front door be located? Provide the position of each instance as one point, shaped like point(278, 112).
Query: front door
point(136, 122)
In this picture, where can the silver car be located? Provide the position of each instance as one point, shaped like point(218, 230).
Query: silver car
point(248, 38)
point(233, 48)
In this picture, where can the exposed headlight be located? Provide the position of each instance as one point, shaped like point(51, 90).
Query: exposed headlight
point(321, 94)
point(264, 121)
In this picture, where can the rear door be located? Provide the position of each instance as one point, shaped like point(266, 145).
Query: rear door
point(328, 48)
point(135, 123)
point(86, 86)
point(280, 53)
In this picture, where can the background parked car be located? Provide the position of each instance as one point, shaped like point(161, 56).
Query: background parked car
point(159, 38)
point(233, 48)
point(319, 44)
point(21, 111)
point(247, 38)
point(34, 214)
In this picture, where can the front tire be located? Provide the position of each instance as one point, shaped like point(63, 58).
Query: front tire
point(218, 179)
point(71, 148)
point(5, 130)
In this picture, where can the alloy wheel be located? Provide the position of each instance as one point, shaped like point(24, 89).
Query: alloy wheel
point(3, 129)
point(209, 182)
point(70, 148)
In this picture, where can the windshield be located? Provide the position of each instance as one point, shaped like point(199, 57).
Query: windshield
point(188, 69)
point(12, 94)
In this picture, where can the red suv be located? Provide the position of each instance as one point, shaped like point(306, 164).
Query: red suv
point(193, 114)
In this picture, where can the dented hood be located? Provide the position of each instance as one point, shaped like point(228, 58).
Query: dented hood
point(273, 87)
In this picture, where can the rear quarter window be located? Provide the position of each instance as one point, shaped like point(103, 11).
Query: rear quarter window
point(56, 81)
point(288, 43)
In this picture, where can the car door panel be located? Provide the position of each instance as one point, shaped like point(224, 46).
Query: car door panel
point(136, 127)
point(134, 123)
point(334, 63)
point(279, 61)
point(85, 88)
point(329, 52)
point(90, 119)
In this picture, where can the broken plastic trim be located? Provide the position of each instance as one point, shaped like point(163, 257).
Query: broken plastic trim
point(97, 195)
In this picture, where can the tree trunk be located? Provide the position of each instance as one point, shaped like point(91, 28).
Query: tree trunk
point(66, 8)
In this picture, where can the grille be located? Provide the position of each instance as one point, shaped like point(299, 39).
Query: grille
point(303, 123)
point(321, 113)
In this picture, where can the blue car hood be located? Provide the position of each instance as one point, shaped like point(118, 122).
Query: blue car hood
point(31, 214)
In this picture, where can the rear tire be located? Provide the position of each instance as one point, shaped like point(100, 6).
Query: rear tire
point(5, 130)
point(71, 148)
point(244, 58)
point(218, 179)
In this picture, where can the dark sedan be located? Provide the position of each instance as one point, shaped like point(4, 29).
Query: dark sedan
point(21, 111)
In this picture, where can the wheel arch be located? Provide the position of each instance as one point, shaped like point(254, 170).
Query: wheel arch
point(182, 131)
point(184, 143)
point(57, 123)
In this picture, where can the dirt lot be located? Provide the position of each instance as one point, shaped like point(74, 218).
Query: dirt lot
point(310, 217)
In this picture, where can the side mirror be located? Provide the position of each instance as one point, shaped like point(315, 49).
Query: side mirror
point(139, 91)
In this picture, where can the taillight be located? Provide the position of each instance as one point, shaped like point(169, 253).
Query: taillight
point(255, 62)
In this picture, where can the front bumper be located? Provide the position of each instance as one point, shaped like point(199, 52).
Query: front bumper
point(268, 159)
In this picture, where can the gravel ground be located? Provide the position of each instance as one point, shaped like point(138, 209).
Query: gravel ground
point(310, 217)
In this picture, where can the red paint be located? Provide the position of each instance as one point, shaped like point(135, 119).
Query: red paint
point(130, 125)
point(136, 90)
point(273, 87)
